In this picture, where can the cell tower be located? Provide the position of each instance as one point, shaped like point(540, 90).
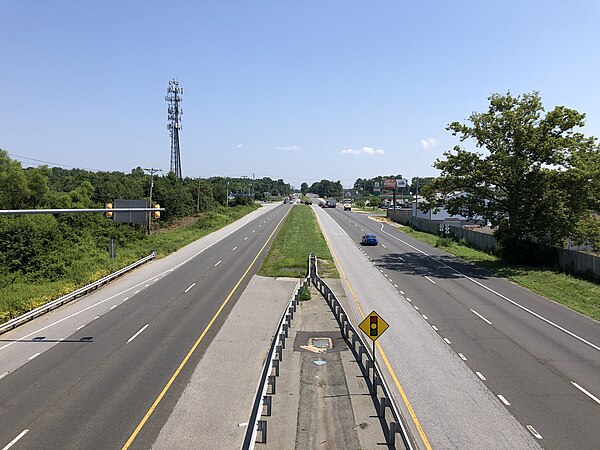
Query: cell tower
point(174, 97)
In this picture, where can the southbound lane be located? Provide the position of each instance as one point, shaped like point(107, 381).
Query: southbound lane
point(94, 389)
point(542, 360)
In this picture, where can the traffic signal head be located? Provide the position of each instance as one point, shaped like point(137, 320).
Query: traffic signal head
point(156, 214)
point(108, 214)
point(373, 326)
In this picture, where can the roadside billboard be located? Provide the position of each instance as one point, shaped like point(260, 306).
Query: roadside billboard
point(389, 183)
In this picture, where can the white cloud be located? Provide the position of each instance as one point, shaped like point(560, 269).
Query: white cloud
point(288, 148)
point(363, 151)
point(428, 143)
point(239, 146)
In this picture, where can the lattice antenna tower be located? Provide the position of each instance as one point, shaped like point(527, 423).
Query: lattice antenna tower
point(174, 97)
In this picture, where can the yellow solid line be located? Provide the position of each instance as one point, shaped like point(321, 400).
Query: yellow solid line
point(188, 356)
point(385, 360)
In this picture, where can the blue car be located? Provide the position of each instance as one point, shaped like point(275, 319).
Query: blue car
point(369, 239)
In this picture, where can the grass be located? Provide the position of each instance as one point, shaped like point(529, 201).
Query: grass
point(298, 238)
point(19, 295)
point(578, 294)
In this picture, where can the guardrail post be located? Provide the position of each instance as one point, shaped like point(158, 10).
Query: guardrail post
point(267, 405)
point(261, 427)
point(275, 366)
point(291, 312)
point(282, 340)
point(285, 329)
point(383, 403)
point(393, 429)
point(288, 318)
point(279, 351)
point(271, 382)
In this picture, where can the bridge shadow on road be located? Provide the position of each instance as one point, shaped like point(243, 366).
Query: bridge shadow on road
point(439, 266)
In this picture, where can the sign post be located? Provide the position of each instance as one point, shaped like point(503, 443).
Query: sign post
point(373, 326)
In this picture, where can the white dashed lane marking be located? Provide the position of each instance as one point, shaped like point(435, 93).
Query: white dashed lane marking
point(479, 374)
point(480, 316)
point(589, 394)
point(501, 397)
point(190, 286)
point(137, 334)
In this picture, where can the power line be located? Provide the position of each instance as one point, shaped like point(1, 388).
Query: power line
point(52, 163)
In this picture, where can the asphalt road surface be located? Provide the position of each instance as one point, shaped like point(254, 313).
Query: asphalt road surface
point(539, 359)
point(86, 376)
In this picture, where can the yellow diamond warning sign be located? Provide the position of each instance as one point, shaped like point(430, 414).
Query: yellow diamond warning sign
point(373, 325)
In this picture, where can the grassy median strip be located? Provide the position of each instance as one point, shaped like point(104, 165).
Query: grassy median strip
point(578, 294)
point(299, 237)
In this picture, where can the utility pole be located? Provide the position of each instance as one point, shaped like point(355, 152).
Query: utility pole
point(227, 195)
point(173, 98)
point(152, 171)
point(198, 197)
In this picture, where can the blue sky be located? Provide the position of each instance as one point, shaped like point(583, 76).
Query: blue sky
point(301, 90)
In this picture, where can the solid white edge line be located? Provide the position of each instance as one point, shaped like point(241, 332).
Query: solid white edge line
point(34, 356)
point(138, 333)
point(506, 402)
point(191, 286)
point(14, 441)
point(589, 394)
point(534, 431)
point(480, 316)
point(429, 279)
point(549, 322)
point(480, 375)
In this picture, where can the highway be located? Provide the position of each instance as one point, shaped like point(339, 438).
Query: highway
point(95, 373)
point(540, 360)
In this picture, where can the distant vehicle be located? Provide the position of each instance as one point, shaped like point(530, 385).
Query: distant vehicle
point(369, 239)
point(322, 204)
point(347, 205)
point(331, 202)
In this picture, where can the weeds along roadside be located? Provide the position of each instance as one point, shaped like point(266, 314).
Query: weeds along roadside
point(81, 261)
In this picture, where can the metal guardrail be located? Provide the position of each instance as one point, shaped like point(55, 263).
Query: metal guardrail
point(352, 336)
point(267, 384)
point(13, 323)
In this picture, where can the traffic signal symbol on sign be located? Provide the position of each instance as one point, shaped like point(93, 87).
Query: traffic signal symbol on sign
point(373, 326)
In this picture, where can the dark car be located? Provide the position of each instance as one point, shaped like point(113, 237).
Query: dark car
point(369, 239)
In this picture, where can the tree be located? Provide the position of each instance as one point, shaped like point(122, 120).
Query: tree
point(304, 188)
point(534, 180)
point(13, 184)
